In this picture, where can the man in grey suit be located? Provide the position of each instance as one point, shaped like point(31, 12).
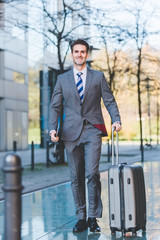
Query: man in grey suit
point(80, 90)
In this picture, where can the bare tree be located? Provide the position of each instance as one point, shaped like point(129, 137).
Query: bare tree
point(151, 60)
point(133, 32)
point(113, 40)
point(58, 25)
point(138, 32)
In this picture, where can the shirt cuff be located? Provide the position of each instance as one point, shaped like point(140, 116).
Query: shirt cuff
point(51, 132)
point(117, 122)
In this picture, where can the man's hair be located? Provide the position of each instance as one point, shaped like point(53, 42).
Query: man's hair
point(79, 41)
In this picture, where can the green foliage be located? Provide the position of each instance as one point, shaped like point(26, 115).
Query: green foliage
point(34, 135)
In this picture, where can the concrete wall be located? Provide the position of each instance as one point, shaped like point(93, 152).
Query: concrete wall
point(13, 95)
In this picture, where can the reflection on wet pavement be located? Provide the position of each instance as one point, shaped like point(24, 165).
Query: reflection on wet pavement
point(49, 214)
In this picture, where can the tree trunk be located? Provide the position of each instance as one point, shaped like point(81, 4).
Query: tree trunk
point(157, 119)
point(61, 65)
point(139, 105)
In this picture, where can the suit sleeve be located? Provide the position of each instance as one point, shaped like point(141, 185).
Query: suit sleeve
point(109, 101)
point(55, 106)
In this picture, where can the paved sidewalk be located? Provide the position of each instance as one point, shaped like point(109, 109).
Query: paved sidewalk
point(50, 213)
point(43, 177)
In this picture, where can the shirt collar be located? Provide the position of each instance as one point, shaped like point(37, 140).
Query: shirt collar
point(83, 71)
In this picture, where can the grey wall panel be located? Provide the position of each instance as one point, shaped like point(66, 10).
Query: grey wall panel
point(2, 125)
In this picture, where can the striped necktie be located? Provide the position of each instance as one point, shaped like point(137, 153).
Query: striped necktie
point(80, 86)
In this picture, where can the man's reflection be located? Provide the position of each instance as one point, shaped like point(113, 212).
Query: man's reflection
point(57, 206)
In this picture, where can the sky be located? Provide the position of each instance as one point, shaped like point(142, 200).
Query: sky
point(36, 43)
point(150, 9)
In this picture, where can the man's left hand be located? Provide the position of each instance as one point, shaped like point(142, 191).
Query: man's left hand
point(117, 126)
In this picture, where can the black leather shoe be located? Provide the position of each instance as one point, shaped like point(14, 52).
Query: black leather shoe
point(93, 225)
point(80, 226)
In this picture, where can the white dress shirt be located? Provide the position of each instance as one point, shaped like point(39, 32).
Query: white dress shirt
point(83, 76)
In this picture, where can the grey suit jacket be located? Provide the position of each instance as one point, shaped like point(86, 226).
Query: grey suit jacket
point(75, 112)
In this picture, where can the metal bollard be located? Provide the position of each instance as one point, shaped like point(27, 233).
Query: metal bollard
point(108, 151)
point(47, 154)
point(32, 155)
point(12, 194)
point(14, 146)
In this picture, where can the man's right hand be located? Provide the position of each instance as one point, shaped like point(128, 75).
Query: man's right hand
point(54, 137)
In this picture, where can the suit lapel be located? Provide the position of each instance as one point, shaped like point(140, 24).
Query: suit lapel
point(88, 82)
point(72, 83)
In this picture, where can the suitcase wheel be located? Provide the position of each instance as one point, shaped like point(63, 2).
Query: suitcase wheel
point(143, 229)
point(113, 233)
point(123, 232)
point(134, 234)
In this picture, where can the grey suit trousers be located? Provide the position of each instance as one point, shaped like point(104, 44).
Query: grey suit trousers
point(83, 158)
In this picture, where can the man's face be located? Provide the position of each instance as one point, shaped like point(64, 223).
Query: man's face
point(79, 55)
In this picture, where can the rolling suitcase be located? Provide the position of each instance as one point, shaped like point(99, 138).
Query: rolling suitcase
point(127, 199)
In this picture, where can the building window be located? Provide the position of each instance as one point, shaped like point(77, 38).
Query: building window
point(1, 64)
point(1, 15)
point(18, 77)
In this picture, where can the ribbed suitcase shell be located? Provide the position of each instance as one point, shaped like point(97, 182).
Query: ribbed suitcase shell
point(127, 199)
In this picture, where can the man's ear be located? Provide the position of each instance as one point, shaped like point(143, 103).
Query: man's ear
point(87, 56)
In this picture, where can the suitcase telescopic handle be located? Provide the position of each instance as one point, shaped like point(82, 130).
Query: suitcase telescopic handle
point(117, 153)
